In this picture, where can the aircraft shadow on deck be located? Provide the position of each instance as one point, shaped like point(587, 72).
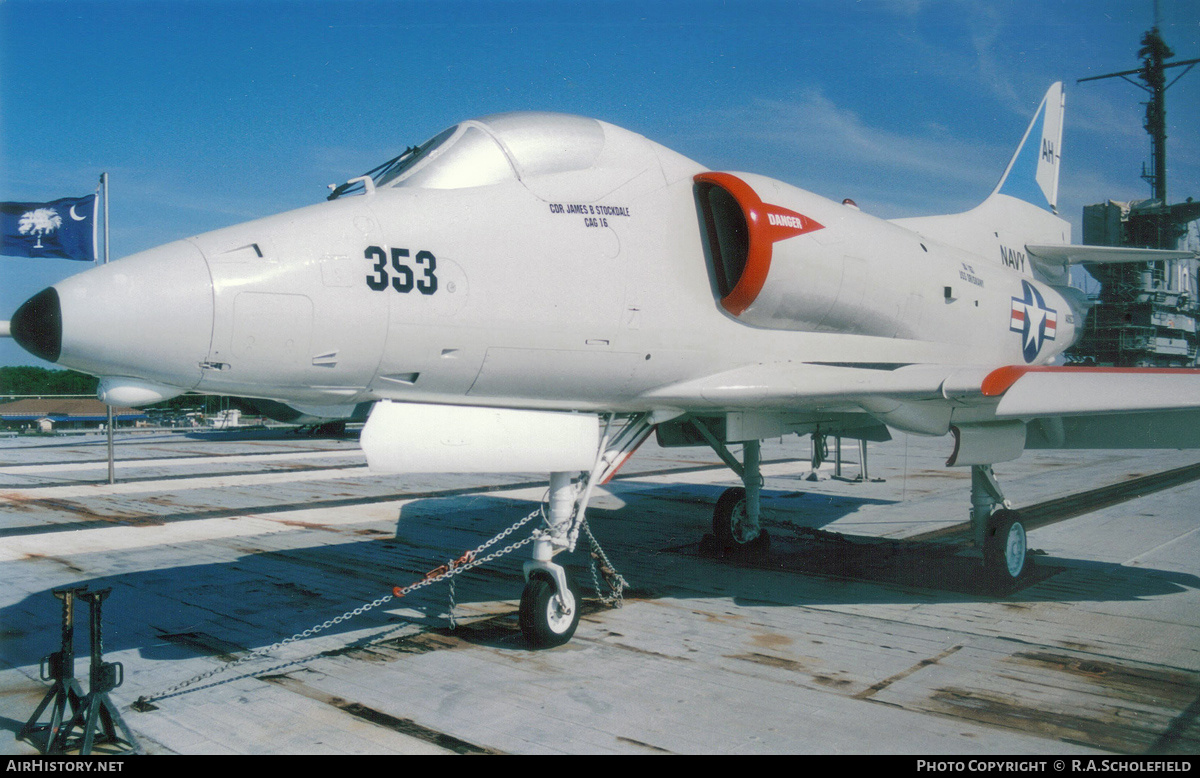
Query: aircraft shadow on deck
point(226, 608)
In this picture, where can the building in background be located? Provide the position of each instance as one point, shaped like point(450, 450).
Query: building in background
point(56, 414)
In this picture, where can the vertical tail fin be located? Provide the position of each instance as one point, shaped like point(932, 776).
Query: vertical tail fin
point(1032, 174)
point(1022, 209)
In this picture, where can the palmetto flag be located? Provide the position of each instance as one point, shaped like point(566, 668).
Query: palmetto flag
point(63, 228)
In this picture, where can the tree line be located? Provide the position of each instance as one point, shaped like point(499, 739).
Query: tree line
point(39, 380)
point(25, 380)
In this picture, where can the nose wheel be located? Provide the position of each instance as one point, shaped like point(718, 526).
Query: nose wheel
point(548, 618)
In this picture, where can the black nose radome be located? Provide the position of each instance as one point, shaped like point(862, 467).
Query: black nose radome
point(37, 325)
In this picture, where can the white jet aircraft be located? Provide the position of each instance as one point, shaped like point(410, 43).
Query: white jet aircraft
point(509, 294)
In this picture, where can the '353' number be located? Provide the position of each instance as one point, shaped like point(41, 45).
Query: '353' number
point(404, 277)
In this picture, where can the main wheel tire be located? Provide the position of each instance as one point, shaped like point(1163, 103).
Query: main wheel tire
point(1005, 547)
point(729, 518)
point(546, 620)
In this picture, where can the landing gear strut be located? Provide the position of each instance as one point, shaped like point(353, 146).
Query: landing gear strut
point(549, 610)
point(1000, 533)
point(737, 530)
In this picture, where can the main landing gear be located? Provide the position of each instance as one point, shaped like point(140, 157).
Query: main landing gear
point(1000, 533)
point(997, 529)
point(737, 530)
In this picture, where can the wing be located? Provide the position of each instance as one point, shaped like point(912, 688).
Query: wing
point(993, 411)
point(809, 386)
point(1070, 407)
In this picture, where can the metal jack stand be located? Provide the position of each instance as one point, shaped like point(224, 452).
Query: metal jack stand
point(863, 476)
point(60, 667)
point(100, 712)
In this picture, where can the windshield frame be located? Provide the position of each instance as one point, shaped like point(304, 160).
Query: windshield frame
point(395, 169)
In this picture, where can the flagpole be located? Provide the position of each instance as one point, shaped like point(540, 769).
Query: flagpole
point(112, 475)
point(96, 222)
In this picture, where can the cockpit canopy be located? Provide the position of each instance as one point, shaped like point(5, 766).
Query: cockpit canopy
point(489, 151)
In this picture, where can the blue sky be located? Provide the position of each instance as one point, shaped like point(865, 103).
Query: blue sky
point(205, 114)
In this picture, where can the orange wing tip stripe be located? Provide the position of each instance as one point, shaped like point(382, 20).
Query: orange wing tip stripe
point(1002, 379)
